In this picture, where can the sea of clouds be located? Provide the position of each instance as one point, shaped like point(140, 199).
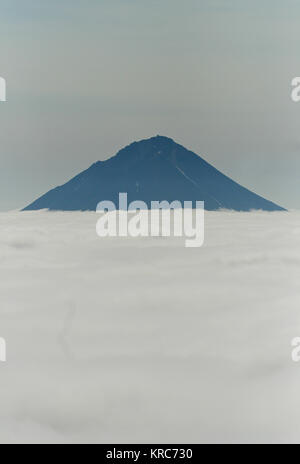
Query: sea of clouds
point(122, 340)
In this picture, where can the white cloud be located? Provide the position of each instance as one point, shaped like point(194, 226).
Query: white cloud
point(143, 340)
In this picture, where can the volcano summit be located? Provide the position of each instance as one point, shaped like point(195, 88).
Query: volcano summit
point(155, 169)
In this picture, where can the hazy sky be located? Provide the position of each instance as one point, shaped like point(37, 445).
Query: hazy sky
point(86, 77)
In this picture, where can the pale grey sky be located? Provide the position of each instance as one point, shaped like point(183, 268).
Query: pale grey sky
point(86, 77)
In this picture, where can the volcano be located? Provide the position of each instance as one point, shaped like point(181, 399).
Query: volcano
point(155, 169)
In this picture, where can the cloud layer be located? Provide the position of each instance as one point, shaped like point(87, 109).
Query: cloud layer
point(145, 341)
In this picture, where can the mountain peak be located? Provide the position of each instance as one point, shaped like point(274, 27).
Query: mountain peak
point(157, 139)
point(153, 169)
point(150, 145)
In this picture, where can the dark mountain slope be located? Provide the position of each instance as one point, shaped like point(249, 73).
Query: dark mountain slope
point(152, 169)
